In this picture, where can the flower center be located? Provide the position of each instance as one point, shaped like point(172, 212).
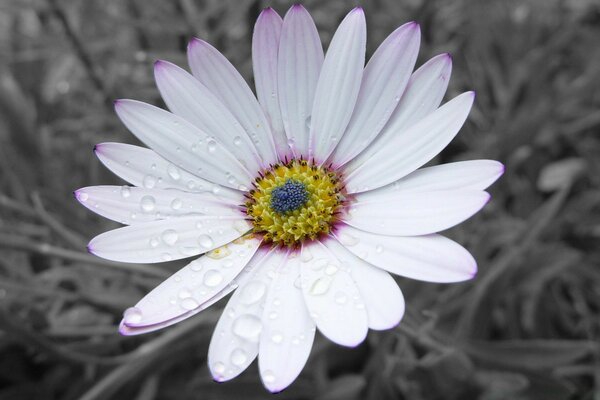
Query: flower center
point(295, 201)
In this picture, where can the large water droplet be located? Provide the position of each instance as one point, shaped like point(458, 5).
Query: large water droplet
point(125, 191)
point(238, 357)
point(212, 278)
point(189, 303)
point(147, 203)
point(347, 240)
point(253, 292)
point(176, 204)
point(82, 196)
point(149, 181)
point(320, 286)
point(205, 241)
point(219, 367)
point(268, 377)
point(173, 172)
point(211, 145)
point(132, 315)
point(331, 269)
point(169, 237)
point(237, 140)
point(248, 327)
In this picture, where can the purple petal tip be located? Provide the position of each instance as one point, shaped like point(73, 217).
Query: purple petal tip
point(90, 249)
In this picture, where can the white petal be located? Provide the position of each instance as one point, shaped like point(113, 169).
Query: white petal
point(431, 258)
point(183, 144)
point(422, 96)
point(144, 168)
point(133, 205)
point(413, 214)
point(383, 299)
point(214, 71)
point(234, 343)
point(410, 149)
point(190, 99)
point(194, 284)
point(299, 64)
point(239, 280)
point(265, 49)
point(333, 300)
point(338, 85)
point(462, 175)
point(168, 239)
point(384, 79)
point(288, 331)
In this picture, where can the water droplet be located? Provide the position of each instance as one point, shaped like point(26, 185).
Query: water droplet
point(238, 357)
point(268, 377)
point(320, 286)
point(308, 122)
point(248, 327)
point(212, 278)
point(243, 188)
point(149, 181)
point(189, 303)
point(253, 292)
point(277, 337)
point(320, 263)
point(241, 226)
point(169, 237)
point(379, 248)
point(237, 140)
point(211, 145)
point(347, 240)
point(132, 315)
point(341, 298)
point(273, 315)
point(205, 241)
point(306, 255)
point(147, 203)
point(331, 269)
point(125, 191)
point(173, 172)
point(82, 196)
point(167, 257)
point(176, 204)
point(154, 242)
point(227, 264)
point(196, 265)
point(219, 367)
point(199, 225)
point(295, 340)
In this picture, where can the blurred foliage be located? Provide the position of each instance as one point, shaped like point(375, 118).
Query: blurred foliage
point(526, 328)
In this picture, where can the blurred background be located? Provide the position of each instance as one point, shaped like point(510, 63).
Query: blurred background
point(526, 327)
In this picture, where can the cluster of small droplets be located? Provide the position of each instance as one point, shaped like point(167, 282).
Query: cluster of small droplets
point(294, 201)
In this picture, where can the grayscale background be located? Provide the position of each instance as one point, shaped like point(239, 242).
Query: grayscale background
point(526, 327)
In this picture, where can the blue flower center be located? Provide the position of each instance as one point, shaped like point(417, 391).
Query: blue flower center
point(288, 197)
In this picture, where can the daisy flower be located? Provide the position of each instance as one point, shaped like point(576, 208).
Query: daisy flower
point(301, 200)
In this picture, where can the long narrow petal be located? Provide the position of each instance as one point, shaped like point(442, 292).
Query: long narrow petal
point(415, 146)
point(462, 175)
point(384, 79)
point(299, 65)
point(190, 99)
point(144, 168)
point(133, 205)
point(168, 239)
point(265, 50)
point(332, 298)
point(338, 85)
point(183, 144)
point(383, 299)
point(431, 258)
point(134, 313)
point(211, 68)
point(234, 344)
point(422, 96)
point(413, 214)
point(194, 284)
point(288, 331)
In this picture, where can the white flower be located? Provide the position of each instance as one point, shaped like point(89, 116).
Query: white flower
point(303, 201)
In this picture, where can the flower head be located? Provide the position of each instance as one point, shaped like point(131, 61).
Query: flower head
point(301, 201)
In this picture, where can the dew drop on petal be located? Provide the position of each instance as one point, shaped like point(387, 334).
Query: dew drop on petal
point(82, 196)
point(238, 357)
point(268, 377)
point(379, 248)
point(167, 257)
point(331, 269)
point(237, 140)
point(173, 172)
point(176, 203)
point(253, 292)
point(147, 203)
point(125, 191)
point(132, 315)
point(169, 237)
point(189, 303)
point(247, 327)
point(320, 286)
point(212, 278)
point(212, 146)
point(149, 181)
point(205, 241)
point(340, 298)
point(347, 240)
point(277, 337)
point(219, 367)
